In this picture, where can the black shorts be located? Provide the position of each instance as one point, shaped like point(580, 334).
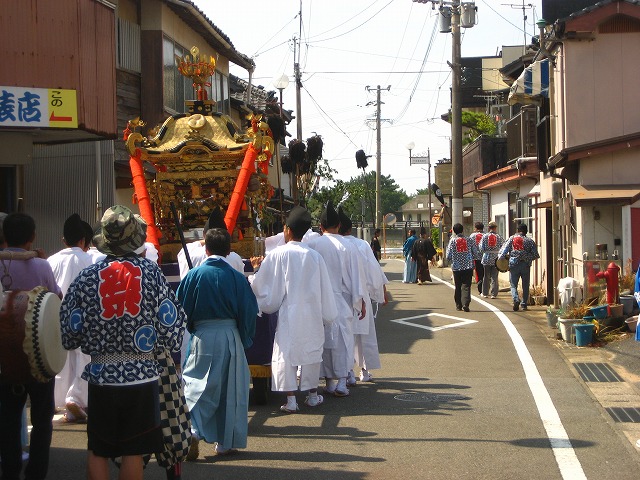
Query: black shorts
point(124, 420)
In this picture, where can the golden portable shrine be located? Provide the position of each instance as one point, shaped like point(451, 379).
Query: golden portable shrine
point(201, 161)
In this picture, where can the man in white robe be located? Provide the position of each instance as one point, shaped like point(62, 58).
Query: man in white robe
point(349, 293)
point(367, 356)
point(293, 280)
point(276, 240)
point(71, 391)
point(197, 252)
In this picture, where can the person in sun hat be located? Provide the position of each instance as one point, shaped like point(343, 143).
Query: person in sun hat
point(119, 311)
point(293, 279)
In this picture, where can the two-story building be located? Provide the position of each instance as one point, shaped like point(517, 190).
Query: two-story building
point(95, 65)
point(592, 184)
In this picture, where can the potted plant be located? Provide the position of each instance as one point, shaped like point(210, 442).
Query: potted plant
point(538, 295)
point(627, 281)
point(571, 315)
point(552, 316)
point(627, 286)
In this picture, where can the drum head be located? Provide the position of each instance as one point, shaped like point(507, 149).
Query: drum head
point(43, 342)
point(502, 264)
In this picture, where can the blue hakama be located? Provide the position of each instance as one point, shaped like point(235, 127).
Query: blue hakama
point(217, 377)
point(221, 311)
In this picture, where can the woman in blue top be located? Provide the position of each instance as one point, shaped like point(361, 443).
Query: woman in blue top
point(410, 274)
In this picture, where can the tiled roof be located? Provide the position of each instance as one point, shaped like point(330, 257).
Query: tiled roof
point(596, 6)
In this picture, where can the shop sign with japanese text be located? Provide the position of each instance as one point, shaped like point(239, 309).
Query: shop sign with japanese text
point(38, 107)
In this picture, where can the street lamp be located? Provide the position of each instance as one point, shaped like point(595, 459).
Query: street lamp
point(280, 83)
point(410, 146)
point(422, 159)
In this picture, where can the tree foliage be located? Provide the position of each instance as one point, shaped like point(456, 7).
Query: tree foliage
point(358, 194)
point(477, 124)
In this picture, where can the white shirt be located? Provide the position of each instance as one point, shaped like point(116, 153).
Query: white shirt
point(67, 264)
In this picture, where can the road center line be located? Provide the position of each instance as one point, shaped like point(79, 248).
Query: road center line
point(566, 458)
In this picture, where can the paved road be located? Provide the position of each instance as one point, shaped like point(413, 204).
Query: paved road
point(452, 401)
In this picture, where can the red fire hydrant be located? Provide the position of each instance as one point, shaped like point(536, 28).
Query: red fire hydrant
point(611, 277)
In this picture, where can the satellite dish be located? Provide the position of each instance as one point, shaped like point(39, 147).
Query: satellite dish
point(389, 219)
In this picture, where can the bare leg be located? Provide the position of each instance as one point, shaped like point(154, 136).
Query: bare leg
point(131, 468)
point(97, 467)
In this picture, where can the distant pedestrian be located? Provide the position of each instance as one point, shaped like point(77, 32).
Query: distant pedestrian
point(410, 274)
point(489, 247)
point(460, 253)
point(522, 251)
point(476, 237)
point(375, 244)
point(423, 252)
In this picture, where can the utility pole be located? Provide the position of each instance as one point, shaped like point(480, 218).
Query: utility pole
point(456, 118)
point(378, 153)
point(461, 15)
point(296, 73)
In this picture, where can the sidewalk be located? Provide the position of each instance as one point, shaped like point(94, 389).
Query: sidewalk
point(610, 373)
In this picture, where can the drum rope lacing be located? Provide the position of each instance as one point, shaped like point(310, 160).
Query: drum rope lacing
point(6, 278)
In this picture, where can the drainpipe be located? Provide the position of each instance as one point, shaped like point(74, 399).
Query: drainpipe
point(556, 194)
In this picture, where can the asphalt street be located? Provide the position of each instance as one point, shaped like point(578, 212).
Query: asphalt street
point(489, 394)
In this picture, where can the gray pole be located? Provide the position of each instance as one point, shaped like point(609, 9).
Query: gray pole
point(456, 118)
point(378, 159)
point(429, 186)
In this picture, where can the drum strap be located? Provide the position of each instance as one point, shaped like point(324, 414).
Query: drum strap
point(10, 255)
point(121, 357)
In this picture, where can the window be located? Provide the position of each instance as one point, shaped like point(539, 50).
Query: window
point(178, 88)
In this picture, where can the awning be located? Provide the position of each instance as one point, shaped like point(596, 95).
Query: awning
point(531, 85)
point(604, 194)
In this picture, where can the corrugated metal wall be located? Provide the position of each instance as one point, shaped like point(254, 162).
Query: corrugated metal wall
point(63, 179)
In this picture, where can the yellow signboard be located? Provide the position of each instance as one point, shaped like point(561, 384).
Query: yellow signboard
point(38, 107)
point(63, 110)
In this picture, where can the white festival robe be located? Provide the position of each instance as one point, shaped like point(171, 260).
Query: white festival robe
point(349, 291)
point(277, 240)
point(366, 342)
point(293, 281)
point(198, 255)
point(70, 387)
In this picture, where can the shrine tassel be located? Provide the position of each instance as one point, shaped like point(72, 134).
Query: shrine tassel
point(144, 203)
point(237, 197)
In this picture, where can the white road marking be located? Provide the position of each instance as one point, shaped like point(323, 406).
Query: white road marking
point(566, 458)
point(459, 322)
